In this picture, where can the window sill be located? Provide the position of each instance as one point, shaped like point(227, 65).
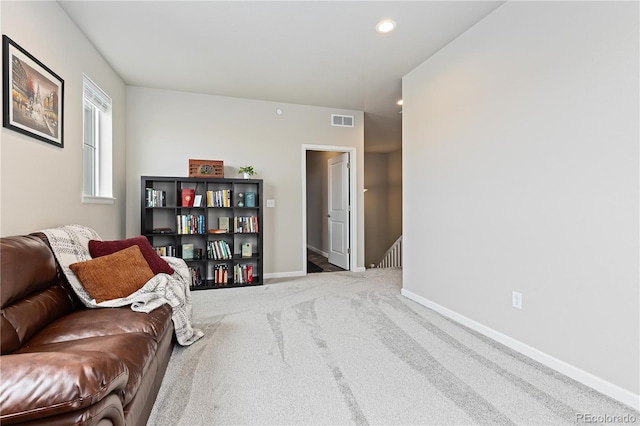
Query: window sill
point(89, 199)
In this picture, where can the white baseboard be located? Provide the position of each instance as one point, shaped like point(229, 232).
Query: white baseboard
point(317, 250)
point(293, 274)
point(284, 274)
point(584, 377)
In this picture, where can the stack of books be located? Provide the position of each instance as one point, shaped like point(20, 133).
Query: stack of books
point(219, 250)
point(244, 224)
point(243, 274)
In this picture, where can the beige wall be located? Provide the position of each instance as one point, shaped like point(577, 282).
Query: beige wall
point(41, 184)
point(394, 173)
point(166, 128)
point(383, 203)
point(376, 202)
point(521, 167)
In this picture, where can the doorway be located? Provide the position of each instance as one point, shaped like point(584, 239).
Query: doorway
point(329, 225)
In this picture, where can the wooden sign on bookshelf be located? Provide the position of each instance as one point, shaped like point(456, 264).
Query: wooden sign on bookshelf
point(206, 168)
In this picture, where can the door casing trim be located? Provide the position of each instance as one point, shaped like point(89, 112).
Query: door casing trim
point(353, 200)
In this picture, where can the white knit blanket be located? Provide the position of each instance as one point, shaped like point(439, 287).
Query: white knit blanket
point(70, 244)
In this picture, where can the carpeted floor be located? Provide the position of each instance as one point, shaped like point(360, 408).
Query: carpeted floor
point(347, 348)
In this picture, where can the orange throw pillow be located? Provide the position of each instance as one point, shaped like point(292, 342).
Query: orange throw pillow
point(113, 276)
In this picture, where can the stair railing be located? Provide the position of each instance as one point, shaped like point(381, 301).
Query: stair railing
point(393, 257)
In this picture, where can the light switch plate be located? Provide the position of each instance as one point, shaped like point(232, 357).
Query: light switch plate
point(516, 300)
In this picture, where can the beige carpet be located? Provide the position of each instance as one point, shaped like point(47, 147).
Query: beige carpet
point(347, 348)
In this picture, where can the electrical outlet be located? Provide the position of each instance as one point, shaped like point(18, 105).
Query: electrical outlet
point(516, 299)
point(271, 203)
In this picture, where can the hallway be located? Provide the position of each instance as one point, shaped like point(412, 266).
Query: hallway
point(321, 262)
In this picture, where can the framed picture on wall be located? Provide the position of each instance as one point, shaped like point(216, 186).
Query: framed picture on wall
point(33, 95)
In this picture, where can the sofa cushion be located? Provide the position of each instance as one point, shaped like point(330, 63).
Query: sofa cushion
point(106, 412)
point(42, 384)
point(27, 317)
point(113, 276)
point(27, 265)
point(135, 350)
point(104, 322)
point(156, 263)
point(31, 292)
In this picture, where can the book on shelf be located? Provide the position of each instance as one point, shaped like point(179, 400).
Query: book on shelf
point(187, 251)
point(243, 224)
point(168, 250)
point(219, 250)
point(226, 250)
point(243, 274)
point(223, 223)
point(188, 197)
point(246, 250)
point(249, 199)
point(220, 198)
point(155, 198)
point(190, 224)
point(196, 277)
point(221, 274)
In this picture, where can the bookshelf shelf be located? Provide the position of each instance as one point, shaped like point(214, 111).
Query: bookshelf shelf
point(172, 226)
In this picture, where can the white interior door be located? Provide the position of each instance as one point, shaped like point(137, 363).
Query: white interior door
point(339, 214)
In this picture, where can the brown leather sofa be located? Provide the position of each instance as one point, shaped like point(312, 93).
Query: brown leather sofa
point(64, 364)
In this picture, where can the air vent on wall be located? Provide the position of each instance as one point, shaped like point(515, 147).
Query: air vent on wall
point(342, 120)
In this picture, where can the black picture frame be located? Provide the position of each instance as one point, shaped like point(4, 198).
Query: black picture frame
point(33, 95)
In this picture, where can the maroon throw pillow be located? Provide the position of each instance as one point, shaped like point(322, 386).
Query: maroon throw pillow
point(156, 263)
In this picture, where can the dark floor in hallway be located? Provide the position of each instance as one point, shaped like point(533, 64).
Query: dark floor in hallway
point(322, 262)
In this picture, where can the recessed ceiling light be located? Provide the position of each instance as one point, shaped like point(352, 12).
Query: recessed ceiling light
point(385, 26)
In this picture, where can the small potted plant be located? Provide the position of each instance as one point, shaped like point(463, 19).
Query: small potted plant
point(246, 171)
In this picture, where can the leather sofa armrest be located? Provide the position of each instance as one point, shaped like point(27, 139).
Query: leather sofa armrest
point(42, 384)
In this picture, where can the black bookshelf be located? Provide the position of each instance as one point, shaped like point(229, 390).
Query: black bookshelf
point(196, 233)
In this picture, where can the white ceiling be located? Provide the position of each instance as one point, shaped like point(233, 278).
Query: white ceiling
point(323, 53)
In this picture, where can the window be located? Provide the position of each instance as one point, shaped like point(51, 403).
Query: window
point(97, 170)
